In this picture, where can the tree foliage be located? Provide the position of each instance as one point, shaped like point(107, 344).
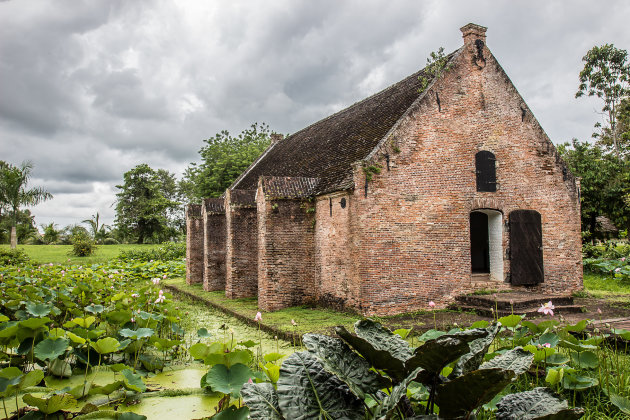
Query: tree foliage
point(223, 158)
point(14, 193)
point(146, 208)
point(606, 74)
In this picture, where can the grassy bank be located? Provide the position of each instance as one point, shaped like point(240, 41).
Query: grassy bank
point(60, 254)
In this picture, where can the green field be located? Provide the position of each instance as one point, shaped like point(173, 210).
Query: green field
point(60, 254)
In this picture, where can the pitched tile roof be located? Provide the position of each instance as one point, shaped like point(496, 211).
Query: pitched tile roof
point(327, 149)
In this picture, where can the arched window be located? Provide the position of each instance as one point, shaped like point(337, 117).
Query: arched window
point(486, 171)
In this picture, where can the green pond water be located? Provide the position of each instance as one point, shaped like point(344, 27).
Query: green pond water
point(186, 375)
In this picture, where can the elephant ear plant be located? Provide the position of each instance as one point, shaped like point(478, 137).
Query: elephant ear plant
point(367, 375)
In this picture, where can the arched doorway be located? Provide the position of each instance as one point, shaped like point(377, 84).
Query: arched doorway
point(486, 244)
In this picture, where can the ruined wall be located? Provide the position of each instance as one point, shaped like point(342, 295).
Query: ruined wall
point(286, 267)
point(338, 284)
point(213, 213)
point(194, 244)
point(412, 237)
point(241, 258)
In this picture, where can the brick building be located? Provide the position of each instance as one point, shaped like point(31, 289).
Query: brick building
point(408, 196)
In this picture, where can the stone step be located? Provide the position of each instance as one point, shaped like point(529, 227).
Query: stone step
point(517, 301)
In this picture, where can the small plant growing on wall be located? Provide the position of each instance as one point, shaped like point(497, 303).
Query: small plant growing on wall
point(371, 170)
point(437, 63)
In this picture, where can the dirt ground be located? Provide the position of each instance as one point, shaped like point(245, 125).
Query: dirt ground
point(611, 312)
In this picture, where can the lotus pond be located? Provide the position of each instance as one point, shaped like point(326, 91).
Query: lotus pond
point(106, 341)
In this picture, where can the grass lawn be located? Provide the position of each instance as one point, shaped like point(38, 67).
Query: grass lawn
point(59, 254)
point(606, 287)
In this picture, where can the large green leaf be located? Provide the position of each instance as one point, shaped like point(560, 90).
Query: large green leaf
point(622, 403)
point(32, 378)
point(571, 380)
point(35, 323)
point(106, 345)
point(50, 349)
point(133, 381)
point(9, 379)
point(106, 389)
point(388, 405)
point(537, 404)
point(307, 391)
point(94, 309)
point(38, 309)
point(131, 416)
point(585, 359)
point(220, 378)
point(337, 358)
point(139, 333)
point(262, 400)
point(232, 413)
point(511, 321)
point(437, 353)
point(84, 322)
point(478, 349)
point(51, 404)
point(381, 348)
point(462, 395)
point(517, 360)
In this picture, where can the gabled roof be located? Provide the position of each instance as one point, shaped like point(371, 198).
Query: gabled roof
point(328, 148)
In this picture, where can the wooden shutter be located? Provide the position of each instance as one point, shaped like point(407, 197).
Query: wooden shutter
point(526, 253)
point(486, 171)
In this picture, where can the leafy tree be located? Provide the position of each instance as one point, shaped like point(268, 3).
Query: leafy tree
point(604, 179)
point(14, 193)
point(24, 227)
point(606, 74)
point(223, 158)
point(98, 231)
point(144, 204)
point(51, 234)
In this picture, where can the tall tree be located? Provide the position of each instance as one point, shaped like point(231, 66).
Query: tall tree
point(14, 193)
point(606, 74)
point(603, 183)
point(223, 158)
point(97, 230)
point(143, 205)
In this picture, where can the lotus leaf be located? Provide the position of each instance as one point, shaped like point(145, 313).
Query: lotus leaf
point(262, 400)
point(50, 349)
point(75, 338)
point(272, 371)
point(307, 391)
point(32, 378)
point(248, 343)
point(570, 380)
point(338, 359)
point(578, 327)
point(106, 389)
point(539, 403)
point(273, 357)
point(232, 413)
point(554, 376)
point(557, 359)
point(136, 334)
point(94, 309)
point(199, 351)
point(203, 333)
point(132, 381)
point(220, 378)
point(38, 309)
point(106, 345)
point(35, 323)
point(402, 332)
point(151, 363)
point(60, 368)
point(585, 359)
point(622, 403)
point(84, 322)
point(51, 404)
point(511, 321)
point(55, 333)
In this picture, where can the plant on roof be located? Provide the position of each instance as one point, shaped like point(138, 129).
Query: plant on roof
point(437, 63)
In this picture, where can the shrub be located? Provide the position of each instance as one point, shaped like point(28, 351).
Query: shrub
point(166, 252)
point(82, 246)
point(110, 241)
point(13, 257)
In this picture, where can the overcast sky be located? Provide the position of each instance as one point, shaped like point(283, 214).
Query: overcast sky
point(89, 89)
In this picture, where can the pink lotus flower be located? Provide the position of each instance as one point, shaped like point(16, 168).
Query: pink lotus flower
point(617, 270)
point(431, 304)
point(293, 323)
point(258, 317)
point(133, 319)
point(623, 259)
point(164, 276)
point(547, 308)
point(249, 381)
point(155, 280)
point(599, 311)
point(135, 295)
point(160, 298)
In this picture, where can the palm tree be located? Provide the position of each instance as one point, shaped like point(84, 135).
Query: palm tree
point(13, 192)
point(99, 232)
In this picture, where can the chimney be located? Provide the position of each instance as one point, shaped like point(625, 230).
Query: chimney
point(473, 32)
point(275, 138)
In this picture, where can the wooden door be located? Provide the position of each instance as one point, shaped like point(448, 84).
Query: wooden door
point(526, 252)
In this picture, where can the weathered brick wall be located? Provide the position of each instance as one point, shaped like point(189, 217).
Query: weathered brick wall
point(241, 257)
point(213, 213)
point(286, 266)
point(334, 252)
point(194, 244)
point(412, 240)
